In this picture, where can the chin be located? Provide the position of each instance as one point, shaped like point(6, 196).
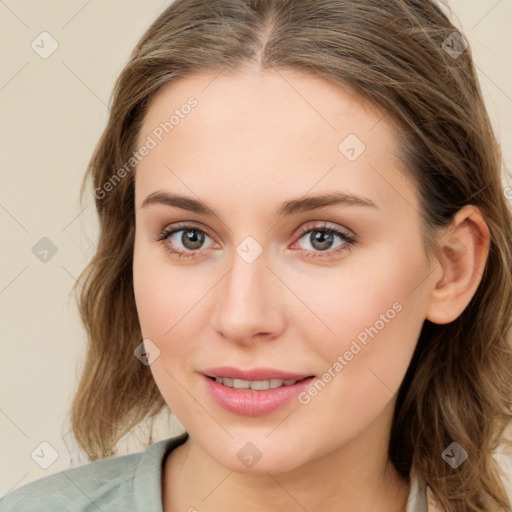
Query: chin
point(242, 455)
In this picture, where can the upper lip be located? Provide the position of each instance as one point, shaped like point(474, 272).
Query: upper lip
point(253, 374)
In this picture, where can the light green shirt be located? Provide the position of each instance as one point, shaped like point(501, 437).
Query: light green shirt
point(125, 483)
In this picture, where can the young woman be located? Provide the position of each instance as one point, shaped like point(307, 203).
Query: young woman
point(305, 255)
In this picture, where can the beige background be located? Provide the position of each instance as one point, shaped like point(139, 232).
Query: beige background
point(52, 112)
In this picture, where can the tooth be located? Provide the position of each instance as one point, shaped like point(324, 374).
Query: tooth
point(256, 385)
point(240, 384)
point(259, 384)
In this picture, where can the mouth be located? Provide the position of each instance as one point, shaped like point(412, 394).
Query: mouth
point(256, 391)
point(256, 385)
point(251, 397)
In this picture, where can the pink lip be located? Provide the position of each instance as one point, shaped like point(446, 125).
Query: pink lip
point(254, 374)
point(248, 402)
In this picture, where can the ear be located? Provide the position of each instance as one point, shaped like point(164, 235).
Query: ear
point(464, 251)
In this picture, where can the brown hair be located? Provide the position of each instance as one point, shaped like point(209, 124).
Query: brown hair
point(390, 53)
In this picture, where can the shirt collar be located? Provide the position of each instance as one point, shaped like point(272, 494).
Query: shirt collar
point(147, 480)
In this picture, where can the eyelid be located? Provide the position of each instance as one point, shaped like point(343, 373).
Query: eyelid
point(324, 225)
point(179, 226)
point(347, 236)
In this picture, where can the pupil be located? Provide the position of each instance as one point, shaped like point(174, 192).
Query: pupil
point(193, 241)
point(321, 240)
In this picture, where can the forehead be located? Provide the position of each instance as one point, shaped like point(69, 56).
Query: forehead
point(253, 128)
point(297, 100)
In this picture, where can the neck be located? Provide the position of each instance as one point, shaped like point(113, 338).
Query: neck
point(355, 477)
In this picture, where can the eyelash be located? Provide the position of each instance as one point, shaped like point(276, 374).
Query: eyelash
point(348, 240)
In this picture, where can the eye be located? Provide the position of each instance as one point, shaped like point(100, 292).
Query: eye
point(186, 244)
point(322, 239)
point(192, 238)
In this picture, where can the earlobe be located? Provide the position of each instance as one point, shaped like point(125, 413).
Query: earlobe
point(464, 249)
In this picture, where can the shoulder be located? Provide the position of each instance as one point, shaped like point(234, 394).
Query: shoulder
point(421, 497)
point(111, 484)
point(433, 504)
point(65, 489)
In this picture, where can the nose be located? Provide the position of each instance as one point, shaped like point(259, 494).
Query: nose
point(249, 304)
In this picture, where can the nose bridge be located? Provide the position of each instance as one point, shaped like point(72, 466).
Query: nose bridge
point(248, 301)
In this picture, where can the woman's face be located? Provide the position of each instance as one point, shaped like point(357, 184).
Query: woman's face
point(260, 284)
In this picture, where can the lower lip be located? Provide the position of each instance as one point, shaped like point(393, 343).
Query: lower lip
point(254, 403)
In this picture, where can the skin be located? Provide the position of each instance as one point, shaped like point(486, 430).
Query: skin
point(257, 139)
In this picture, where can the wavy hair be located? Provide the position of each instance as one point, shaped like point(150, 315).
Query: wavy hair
point(393, 54)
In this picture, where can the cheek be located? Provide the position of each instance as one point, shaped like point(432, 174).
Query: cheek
point(377, 311)
point(150, 295)
point(164, 296)
point(364, 371)
point(377, 303)
point(163, 293)
point(377, 295)
point(172, 311)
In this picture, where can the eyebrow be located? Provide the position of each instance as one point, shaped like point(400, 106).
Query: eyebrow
point(291, 207)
